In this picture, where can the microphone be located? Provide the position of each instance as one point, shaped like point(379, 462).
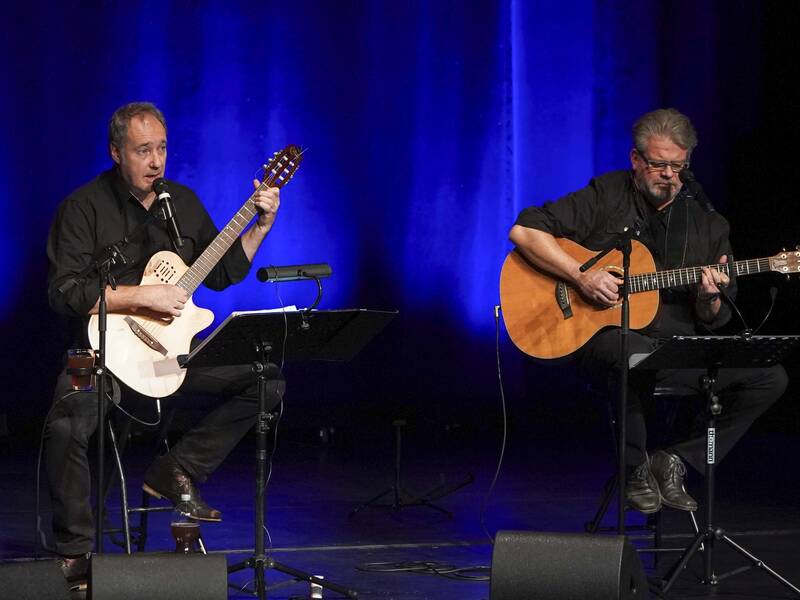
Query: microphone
point(773, 293)
point(167, 210)
point(695, 190)
point(294, 272)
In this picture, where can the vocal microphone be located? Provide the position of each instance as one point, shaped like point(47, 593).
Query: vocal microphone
point(168, 212)
point(694, 189)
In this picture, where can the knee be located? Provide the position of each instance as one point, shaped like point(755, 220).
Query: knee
point(58, 429)
point(68, 424)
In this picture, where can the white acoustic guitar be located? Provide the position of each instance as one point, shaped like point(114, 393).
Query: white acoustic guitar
point(142, 351)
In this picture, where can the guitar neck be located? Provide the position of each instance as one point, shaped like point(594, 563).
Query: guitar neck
point(195, 275)
point(645, 282)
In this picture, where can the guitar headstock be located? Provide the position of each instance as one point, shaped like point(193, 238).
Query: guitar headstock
point(786, 262)
point(282, 166)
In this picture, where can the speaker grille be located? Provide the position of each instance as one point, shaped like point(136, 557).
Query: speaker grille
point(561, 566)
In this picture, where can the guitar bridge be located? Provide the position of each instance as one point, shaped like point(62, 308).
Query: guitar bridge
point(148, 339)
point(562, 298)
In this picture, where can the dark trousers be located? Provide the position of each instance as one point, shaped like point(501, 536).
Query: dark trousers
point(73, 419)
point(744, 394)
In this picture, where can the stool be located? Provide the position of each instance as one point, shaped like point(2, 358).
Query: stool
point(653, 522)
point(133, 534)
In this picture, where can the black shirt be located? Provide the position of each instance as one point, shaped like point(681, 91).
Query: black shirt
point(683, 234)
point(102, 213)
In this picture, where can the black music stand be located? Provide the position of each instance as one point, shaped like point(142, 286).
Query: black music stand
point(254, 337)
point(713, 353)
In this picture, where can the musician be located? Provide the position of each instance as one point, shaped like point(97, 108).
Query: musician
point(104, 211)
point(679, 230)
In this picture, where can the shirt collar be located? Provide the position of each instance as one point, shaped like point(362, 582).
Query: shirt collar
point(121, 190)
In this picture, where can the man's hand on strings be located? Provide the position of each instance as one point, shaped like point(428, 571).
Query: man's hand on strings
point(711, 280)
point(600, 287)
point(166, 299)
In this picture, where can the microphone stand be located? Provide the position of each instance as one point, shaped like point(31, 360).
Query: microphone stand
point(111, 255)
point(622, 244)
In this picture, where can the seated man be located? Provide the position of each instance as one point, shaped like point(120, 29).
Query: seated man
point(105, 210)
point(678, 231)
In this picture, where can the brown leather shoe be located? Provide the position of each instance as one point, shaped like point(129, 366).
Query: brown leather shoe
point(74, 568)
point(641, 490)
point(165, 478)
point(76, 572)
point(669, 471)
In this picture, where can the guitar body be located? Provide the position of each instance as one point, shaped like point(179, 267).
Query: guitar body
point(537, 323)
point(149, 371)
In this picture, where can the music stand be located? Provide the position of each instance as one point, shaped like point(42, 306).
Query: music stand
point(713, 353)
point(253, 337)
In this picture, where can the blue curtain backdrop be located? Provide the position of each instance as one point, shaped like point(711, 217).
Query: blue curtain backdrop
point(428, 126)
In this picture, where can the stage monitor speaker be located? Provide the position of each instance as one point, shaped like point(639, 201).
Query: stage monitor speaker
point(33, 580)
point(162, 576)
point(563, 566)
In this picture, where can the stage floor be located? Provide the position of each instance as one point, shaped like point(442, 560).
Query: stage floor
point(550, 481)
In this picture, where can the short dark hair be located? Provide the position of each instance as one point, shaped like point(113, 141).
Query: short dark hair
point(120, 120)
point(664, 122)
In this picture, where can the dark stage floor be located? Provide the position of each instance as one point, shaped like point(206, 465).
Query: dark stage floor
point(550, 481)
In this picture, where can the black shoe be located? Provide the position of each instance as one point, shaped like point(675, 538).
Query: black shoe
point(76, 572)
point(166, 479)
point(641, 490)
point(669, 471)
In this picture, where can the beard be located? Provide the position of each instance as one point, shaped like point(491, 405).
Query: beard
point(657, 193)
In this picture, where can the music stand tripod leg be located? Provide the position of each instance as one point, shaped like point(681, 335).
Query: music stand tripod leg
point(400, 499)
point(259, 561)
point(711, 534)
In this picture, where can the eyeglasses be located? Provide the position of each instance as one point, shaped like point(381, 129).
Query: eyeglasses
point(661, 165)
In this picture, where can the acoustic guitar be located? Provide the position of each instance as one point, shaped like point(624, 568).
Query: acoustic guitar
point(142, 350)
point(548, 318)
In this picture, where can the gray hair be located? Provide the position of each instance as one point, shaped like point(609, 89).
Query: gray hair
point(118, 125)
point(668, 123)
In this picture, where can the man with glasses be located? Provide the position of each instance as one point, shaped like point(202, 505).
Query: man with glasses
point(679, 231)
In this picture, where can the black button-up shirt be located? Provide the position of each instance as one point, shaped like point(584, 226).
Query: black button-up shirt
point(103, 212)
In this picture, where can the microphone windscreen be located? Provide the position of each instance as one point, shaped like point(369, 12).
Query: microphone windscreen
point(159, 185)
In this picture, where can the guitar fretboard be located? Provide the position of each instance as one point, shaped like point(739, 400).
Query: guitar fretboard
point(645, 282)
point(279, 172)
point(200, 269)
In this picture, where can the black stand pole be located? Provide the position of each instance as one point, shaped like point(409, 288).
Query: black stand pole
point(260, 561)
point(705, 539)
point(100, 372)
point(624, 245)
point(111, 255)
point(622, 416)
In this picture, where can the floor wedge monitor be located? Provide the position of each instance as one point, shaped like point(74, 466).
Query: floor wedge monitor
point(563, 566)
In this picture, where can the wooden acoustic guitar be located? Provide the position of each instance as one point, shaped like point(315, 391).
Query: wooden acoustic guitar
point(142, 350)
point(548, 318)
